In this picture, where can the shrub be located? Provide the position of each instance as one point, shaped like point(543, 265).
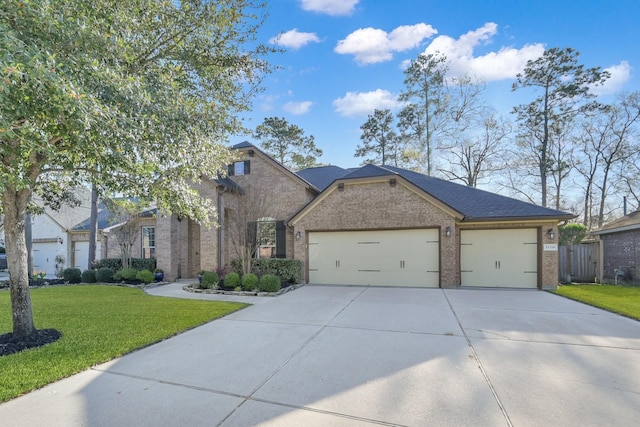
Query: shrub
point(116, 263)
point(104, 275)
point(269, 283)
point(209, 280)
point(249, 282)
point(145, 276)
point(288, 270)
point(72, 275)
point(89, 276)
point(127, 275)
point(232, 280)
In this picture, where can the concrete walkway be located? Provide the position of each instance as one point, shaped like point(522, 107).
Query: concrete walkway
point(355, 356)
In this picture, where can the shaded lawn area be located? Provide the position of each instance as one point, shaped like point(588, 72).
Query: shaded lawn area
point(618, 299)
point(98, 323)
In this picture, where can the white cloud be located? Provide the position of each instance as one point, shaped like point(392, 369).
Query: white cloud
point(297, 108)
point(372, 45)
point(620, 74)
point(505, 63)
point(330, 7)
point(294, 39)
point(363, 103)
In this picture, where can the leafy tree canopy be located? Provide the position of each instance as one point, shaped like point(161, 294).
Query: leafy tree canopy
point(135, 96)
point(380, 143)
point(571, 234)
point(287, 143)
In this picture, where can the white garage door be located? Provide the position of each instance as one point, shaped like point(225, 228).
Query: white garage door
point(499, 258)
point(379, 258)
point(44, 256)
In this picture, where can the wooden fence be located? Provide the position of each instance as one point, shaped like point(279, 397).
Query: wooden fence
point(578, 263)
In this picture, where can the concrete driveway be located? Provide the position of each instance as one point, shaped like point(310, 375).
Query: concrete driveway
point(355, 356)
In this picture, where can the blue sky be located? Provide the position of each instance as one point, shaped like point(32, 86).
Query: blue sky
point(344, 58)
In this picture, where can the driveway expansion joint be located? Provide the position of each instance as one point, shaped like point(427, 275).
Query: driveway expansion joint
point(479, 362)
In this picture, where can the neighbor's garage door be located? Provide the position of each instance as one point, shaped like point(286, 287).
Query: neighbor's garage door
point(383, 258)
point(499, 258)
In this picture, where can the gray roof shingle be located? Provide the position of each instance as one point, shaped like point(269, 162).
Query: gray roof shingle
point(472, 203)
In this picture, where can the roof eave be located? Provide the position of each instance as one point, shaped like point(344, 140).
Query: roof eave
point(617, 229)
point(519, 218)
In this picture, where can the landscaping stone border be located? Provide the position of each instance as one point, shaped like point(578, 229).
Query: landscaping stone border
point(196, 290)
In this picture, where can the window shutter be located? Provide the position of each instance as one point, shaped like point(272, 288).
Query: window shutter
point(230, 170)
point(281, 239)
point(247, 168)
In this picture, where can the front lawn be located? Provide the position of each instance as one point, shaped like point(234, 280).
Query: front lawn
point(98, 323)
point(618, 299)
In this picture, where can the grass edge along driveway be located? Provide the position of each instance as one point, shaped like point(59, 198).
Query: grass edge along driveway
point(617, 299)
point(98, 323)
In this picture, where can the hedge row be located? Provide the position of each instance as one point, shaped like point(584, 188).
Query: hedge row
point(116, 264)
point(288, 270)
point(106, 275)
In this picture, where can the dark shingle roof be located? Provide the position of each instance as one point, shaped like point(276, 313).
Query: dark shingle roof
point(229, 184)
point(243, 144)
point(474, 204)
point(107, 219)
point(321, 177)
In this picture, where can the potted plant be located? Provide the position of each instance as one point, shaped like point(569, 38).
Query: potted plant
point(200, 276)
point(158, 275)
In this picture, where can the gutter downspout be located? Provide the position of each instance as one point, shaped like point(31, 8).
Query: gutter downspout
point(221, 225)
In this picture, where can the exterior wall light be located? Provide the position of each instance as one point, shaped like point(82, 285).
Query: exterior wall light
point(551, 234)
point(298, 235)
point(447, 231)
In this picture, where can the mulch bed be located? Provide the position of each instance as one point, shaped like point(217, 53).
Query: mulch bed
point(9, 344)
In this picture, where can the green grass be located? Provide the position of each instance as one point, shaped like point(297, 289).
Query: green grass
point(98, 323)
point(618, 299)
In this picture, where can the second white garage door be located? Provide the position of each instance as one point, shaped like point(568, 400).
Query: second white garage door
point(499, 258)
point(378, 258)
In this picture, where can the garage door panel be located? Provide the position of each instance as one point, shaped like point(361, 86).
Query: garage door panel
point(378, 258)
point(499, 258)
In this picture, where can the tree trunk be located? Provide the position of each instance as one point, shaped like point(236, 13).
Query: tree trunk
point(14, 205)
point(93, 226)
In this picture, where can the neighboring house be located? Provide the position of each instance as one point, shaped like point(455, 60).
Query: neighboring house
point(373, 225)
point(620, 248)
point(49, 233)
point(60, 239)
point(137, 231)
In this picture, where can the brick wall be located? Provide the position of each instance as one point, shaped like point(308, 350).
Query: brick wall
point(621, 250)
point(377, 205)
point(270, 192)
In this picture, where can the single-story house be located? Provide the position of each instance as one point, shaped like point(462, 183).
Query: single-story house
point(620, 247)
point(372, 225)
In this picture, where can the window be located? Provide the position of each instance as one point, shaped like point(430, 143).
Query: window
point(239, 168)
point(270, 238)
point(148, 242)
point(266, 238)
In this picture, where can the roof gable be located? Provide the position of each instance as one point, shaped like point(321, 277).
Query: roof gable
point(471, 203)
point(246, 146)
